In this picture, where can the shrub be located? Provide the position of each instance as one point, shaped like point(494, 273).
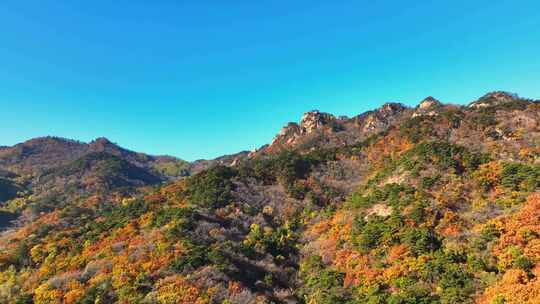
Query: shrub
point(484, 119)
point(193, 257)
point(520, 177)
point(24, 299)
point(212, 188)
point(412, 292)
point(416, 128)
point(429, 181)
point(368, 235)
point(488, 175)
point(101, 293)
point(453, 116)
point(166, 215)
point(172, 168)
point(418, 212)
point(490, 233)
point(371, 234)
point(444, 155)
point(322, 285)
point(456, 285)
point(22, 256)
point(422, 240)
point(288, 168)
point(523, 262)
point(280, 242)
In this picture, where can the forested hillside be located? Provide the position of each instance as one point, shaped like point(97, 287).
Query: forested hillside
point(434, 204)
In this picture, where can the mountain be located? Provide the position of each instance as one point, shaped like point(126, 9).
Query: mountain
point(40, 154)
point(44, 174)
point(439, 203)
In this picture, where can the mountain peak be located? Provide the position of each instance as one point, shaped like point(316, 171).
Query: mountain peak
point(313, 120)
point(102, 140)
point(427, 107)
point(102, 143)
point(429, 102)
point(391, 108)
point(501, 95)
point(494, 98)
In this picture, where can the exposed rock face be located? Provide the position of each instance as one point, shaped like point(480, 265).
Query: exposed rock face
point(429, 103)
point(381, 118)
point(314, 120)
point(288, 134)
point(381, 210)
point(318, 128)
point(428, 107)
point(494, 99)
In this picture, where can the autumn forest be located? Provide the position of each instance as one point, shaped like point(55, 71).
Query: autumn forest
point(438, 203)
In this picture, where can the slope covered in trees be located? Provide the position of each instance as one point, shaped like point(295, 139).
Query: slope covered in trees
point(436, 204)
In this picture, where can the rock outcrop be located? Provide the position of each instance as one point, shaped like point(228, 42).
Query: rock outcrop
point(322, 129)
point(494, 99)
point(428, 107)
point(315, 120)
point(381, 118)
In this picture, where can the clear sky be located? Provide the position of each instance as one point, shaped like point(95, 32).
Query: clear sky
point(198, 79)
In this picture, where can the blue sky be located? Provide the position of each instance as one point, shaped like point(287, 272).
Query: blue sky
point(198, 79)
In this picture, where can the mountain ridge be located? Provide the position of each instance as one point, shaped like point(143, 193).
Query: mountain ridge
point(437, 203)
point(310, 122)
